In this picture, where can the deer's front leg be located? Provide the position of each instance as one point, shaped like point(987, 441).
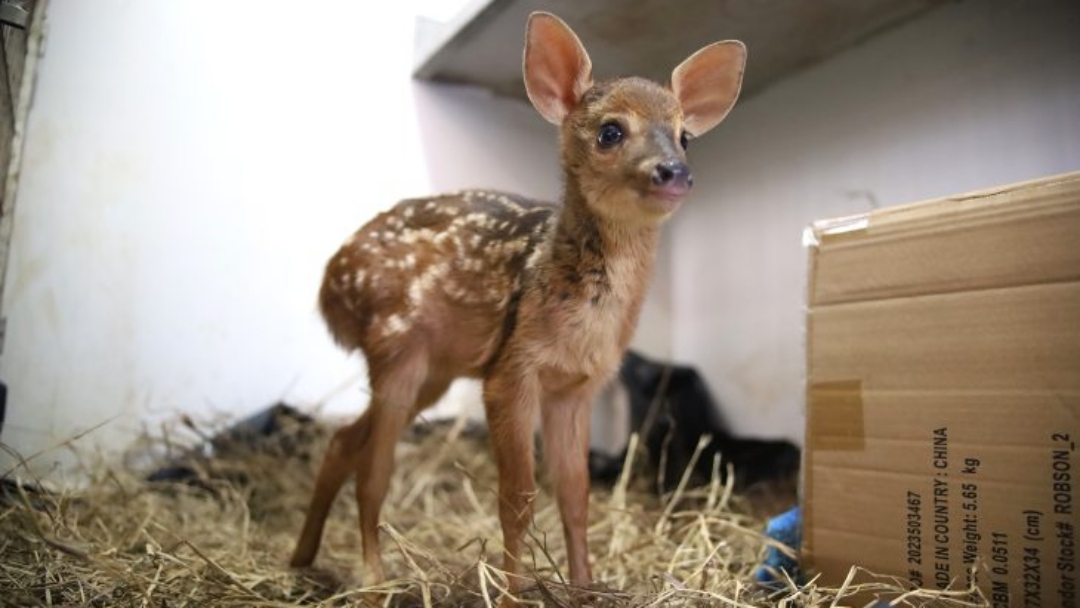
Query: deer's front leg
point(511, 401)
point(566, 452)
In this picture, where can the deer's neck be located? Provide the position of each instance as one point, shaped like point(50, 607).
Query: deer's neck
point(599, 259)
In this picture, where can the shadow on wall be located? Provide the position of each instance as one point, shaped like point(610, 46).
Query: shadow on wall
point(472, 139)
point(670, 407)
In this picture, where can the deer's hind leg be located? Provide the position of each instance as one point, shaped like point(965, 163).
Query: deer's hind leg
point(399, 393)
point(342, 458)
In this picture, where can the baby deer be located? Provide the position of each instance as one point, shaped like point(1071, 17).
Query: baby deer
point(537, 300)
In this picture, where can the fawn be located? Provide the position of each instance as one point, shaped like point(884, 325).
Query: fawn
point(537, 300)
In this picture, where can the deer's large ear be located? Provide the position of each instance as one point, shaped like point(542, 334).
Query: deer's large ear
point(707, 84)
point(557, 68)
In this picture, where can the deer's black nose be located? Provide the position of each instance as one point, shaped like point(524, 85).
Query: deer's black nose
point(672, 173)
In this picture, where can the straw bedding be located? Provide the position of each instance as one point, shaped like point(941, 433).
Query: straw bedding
point(222, 535)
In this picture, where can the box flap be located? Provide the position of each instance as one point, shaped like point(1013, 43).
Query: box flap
point(951, 244)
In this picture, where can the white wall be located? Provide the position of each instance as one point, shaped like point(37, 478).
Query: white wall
point(971, 95)
point(188, 171)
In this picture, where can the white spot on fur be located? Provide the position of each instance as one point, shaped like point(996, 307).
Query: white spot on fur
point(395, 325)
point(459, 293)
point(534, 257)
point(423, 284)
point(410, 237)
point(440, 270)
point(472, 264)
point(416, 293)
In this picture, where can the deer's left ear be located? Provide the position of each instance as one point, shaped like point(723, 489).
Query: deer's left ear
point(708, 83)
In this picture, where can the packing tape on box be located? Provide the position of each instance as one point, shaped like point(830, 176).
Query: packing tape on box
point(836, 415)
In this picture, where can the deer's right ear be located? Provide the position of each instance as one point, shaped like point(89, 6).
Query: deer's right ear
point(557, 68)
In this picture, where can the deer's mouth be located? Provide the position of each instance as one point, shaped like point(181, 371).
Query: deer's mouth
point(670, 195)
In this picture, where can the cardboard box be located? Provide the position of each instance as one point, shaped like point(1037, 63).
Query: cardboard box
point(943, 393)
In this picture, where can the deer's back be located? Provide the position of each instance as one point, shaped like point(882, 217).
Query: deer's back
point(441, 270)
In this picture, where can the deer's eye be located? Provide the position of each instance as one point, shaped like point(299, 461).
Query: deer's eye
point(684, 140)
point(610, 135)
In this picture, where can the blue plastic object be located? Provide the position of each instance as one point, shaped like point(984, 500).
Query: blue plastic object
point(785, 528)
